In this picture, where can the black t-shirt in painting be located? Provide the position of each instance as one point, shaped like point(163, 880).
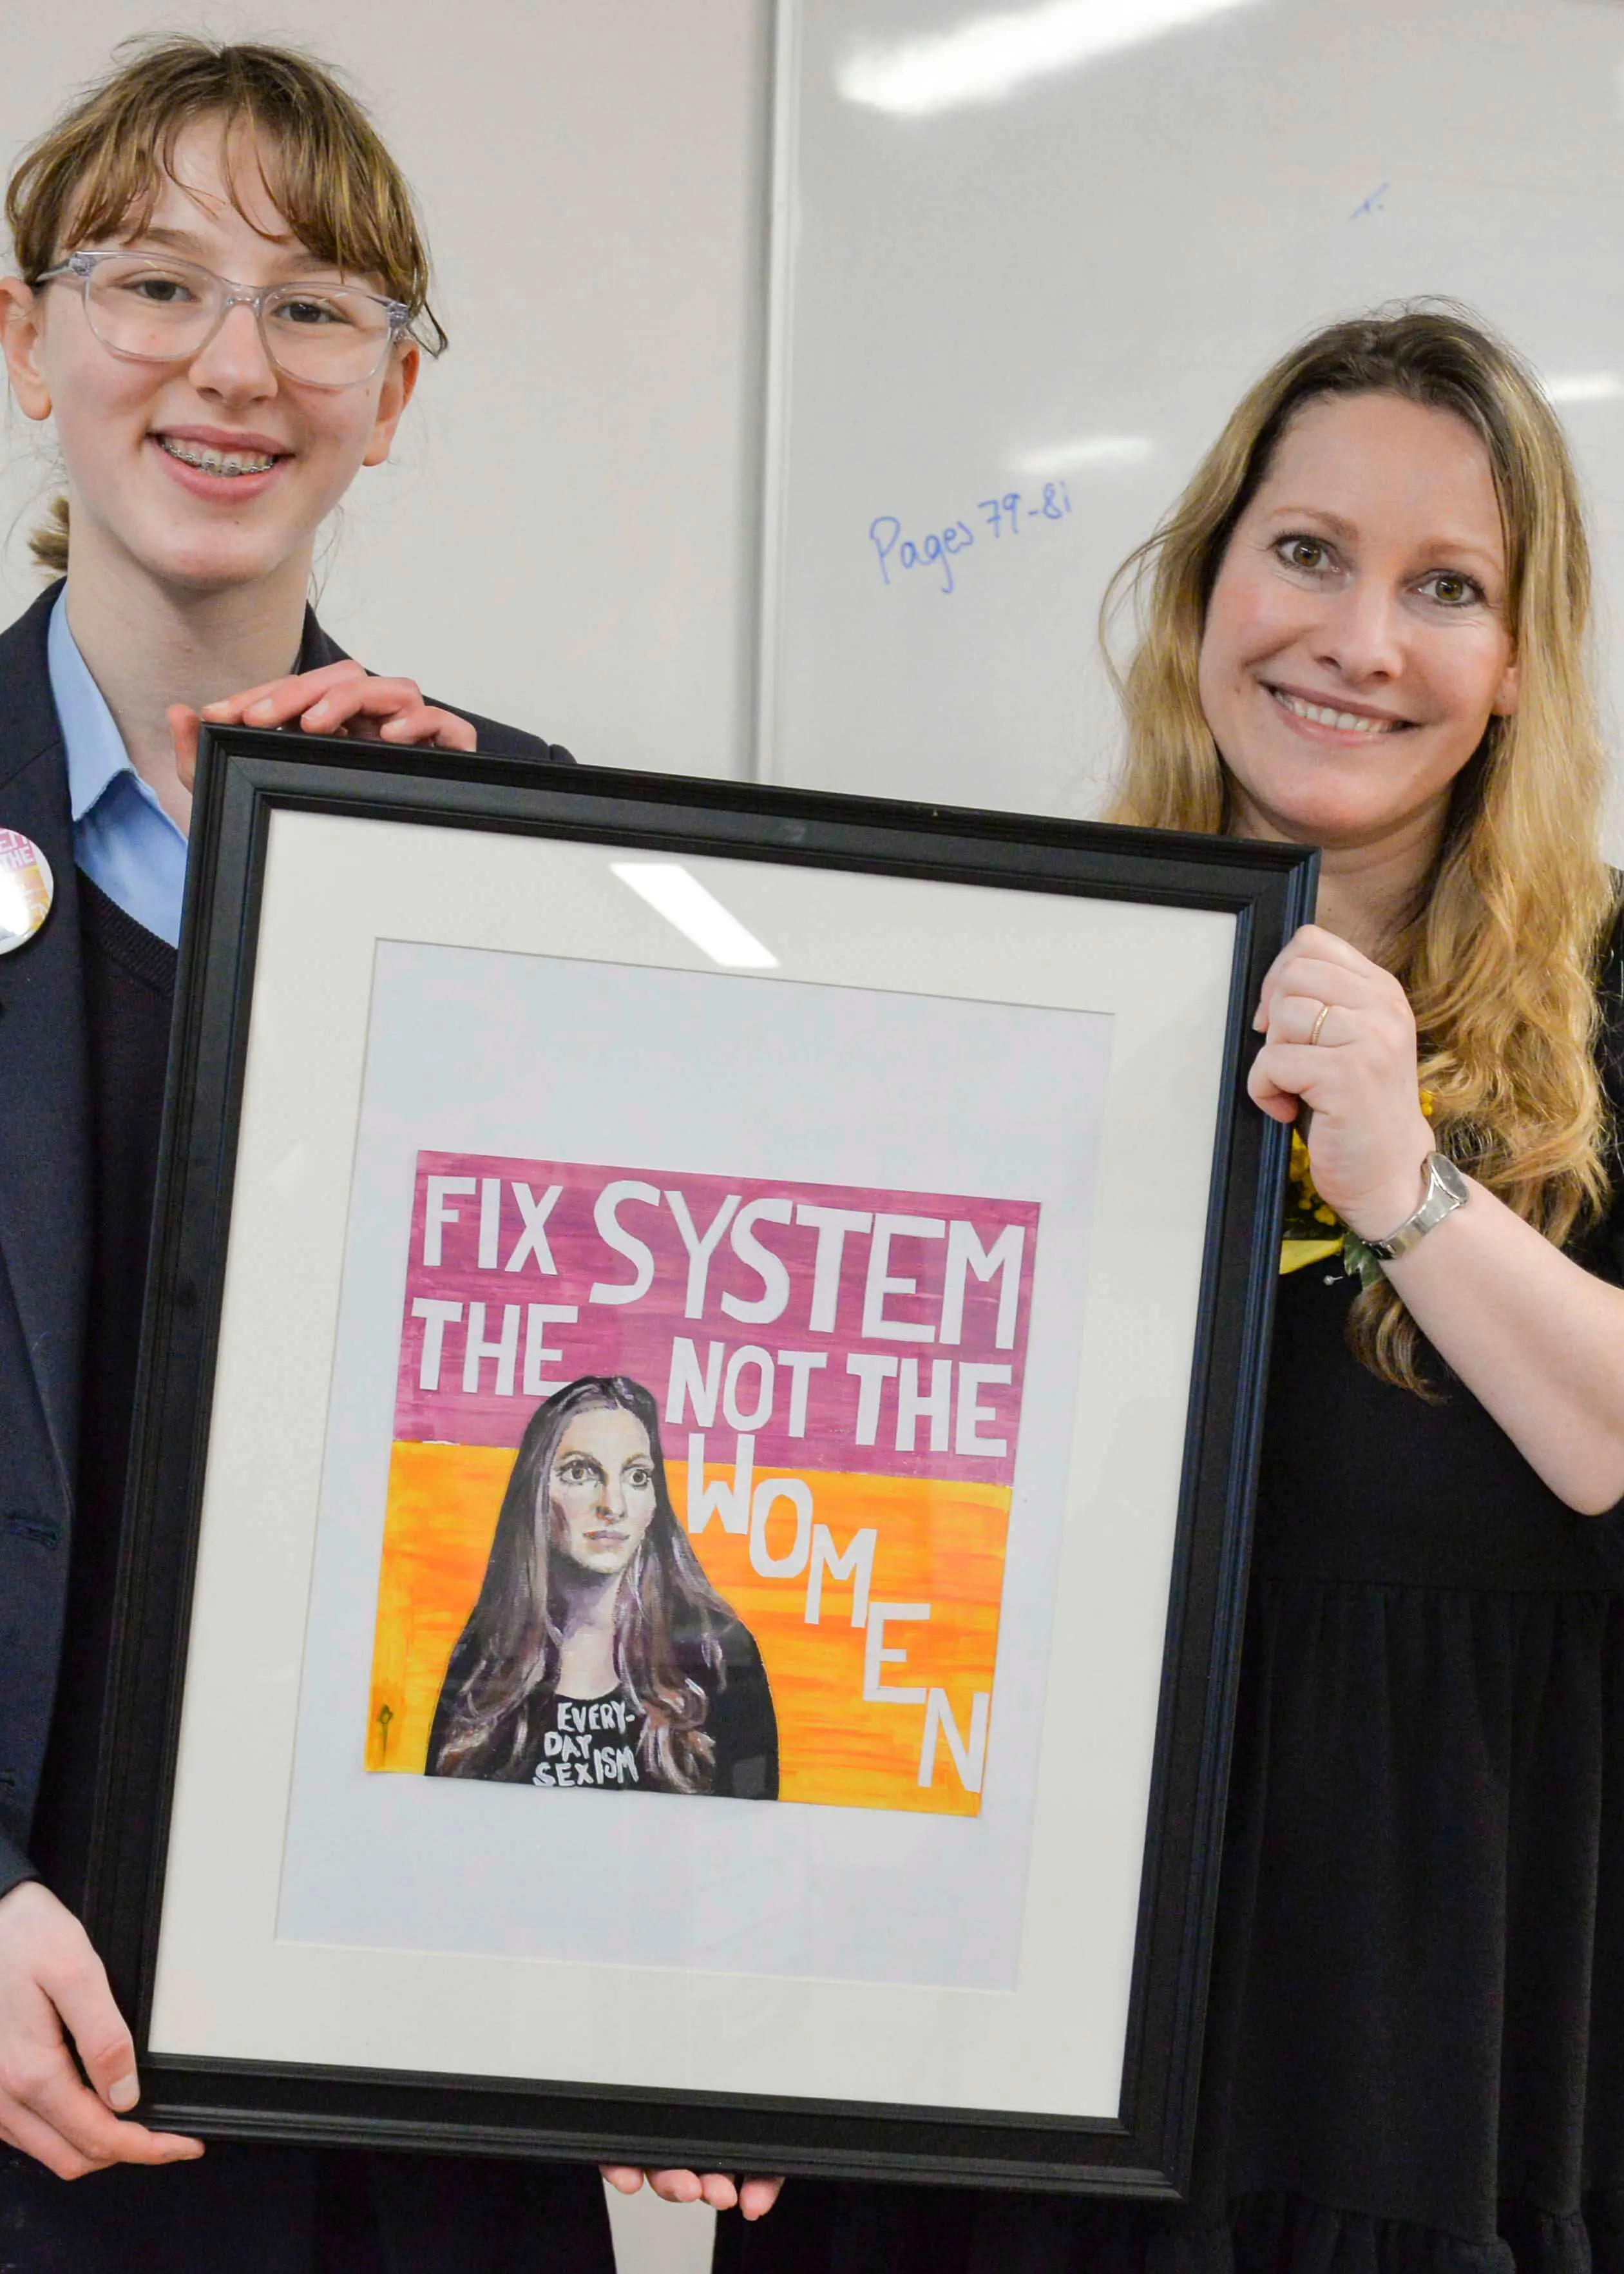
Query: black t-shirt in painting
point(591, 1744)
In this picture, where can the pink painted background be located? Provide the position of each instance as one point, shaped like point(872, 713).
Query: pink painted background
point(636, 1338)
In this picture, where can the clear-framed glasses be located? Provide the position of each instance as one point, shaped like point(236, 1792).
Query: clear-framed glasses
point(150, 309)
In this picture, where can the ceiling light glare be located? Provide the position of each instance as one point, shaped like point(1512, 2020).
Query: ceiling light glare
point(988, 56)
point(1089, 453)
point(679, 896)
point(1586, 387)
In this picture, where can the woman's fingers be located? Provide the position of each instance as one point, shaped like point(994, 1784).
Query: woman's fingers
point(1310, 1019)
point(754, 2197)
point(758, 2196)
point(686, 2187)
point(1343, 971)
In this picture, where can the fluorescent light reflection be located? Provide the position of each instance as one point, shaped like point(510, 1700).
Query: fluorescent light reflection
point(679, 896)
point(986, 57)
point(1088, 452)
point(1586, 387)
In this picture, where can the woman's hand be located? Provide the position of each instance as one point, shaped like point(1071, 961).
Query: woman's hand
point(54, 1987)
point(340, 698)
point(1369, 1137)
point(754, 2198)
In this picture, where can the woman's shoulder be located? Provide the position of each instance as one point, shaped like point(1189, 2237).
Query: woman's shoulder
point(1610, 989)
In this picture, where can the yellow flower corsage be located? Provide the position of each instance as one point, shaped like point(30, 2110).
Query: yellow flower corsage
point(1313, 1232)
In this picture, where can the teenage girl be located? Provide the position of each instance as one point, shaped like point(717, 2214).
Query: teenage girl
point(220, 299)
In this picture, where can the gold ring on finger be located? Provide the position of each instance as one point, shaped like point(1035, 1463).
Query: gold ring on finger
point(1324, 1013)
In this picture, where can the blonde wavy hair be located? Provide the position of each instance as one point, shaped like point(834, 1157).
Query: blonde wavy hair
point(99, 168)
point(1500, 958)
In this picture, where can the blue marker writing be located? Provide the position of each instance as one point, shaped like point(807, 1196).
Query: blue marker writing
point(888, 523)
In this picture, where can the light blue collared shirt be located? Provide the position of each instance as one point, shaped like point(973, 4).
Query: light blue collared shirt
point(122, 839)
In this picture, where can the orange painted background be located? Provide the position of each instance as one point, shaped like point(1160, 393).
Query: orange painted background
point(939, 1543)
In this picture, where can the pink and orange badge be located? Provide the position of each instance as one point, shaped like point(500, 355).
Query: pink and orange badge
point(26, 889)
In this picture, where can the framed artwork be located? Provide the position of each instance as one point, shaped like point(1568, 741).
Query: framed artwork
point(700, 1399)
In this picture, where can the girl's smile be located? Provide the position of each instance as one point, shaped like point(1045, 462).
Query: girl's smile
point(209, 462)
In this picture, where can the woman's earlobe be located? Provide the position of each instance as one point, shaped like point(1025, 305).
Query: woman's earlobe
point(1508, 694)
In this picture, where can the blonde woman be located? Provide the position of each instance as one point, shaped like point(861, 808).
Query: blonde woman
point(1365, 627)
point(219, 303)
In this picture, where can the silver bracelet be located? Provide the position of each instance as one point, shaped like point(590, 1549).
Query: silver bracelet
point(1446, 1190)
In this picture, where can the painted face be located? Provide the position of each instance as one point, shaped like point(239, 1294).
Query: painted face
point(128, 430)
point(1356, 644)
point(601, 1489)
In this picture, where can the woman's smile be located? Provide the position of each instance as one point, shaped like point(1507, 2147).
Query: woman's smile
point(1334, 714)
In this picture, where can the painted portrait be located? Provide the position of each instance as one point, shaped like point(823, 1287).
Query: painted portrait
point(598, 1656)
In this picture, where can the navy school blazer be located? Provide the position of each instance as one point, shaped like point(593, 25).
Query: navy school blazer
point(45, 1215)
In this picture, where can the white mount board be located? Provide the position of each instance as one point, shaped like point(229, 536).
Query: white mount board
point(1049, 243)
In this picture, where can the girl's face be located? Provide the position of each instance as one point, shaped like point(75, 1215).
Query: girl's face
point(125, 429)
point(601, 1489)
point(1356, 644)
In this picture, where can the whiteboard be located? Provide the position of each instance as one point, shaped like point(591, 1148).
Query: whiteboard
point(1037, 252)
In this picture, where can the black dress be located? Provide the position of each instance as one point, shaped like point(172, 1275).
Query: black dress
point(1415, 2049)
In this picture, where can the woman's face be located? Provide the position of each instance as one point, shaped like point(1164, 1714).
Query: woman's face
point(601, 1489)
point(1356, 642)
point(124, 426)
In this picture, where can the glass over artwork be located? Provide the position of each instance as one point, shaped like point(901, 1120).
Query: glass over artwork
point(700, 1485)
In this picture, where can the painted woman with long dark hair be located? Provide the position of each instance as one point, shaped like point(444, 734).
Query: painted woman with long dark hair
point(598, 1654)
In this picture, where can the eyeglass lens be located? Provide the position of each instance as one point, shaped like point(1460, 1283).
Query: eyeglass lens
point(161, 311)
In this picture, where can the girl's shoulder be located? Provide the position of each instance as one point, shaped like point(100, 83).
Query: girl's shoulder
point(496, 740)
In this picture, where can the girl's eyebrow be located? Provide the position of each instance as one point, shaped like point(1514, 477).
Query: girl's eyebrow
point(297, 259)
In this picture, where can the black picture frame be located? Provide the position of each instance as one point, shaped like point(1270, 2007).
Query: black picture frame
point(246, 776)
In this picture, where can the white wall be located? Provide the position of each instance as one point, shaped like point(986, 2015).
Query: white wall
point(568, 538)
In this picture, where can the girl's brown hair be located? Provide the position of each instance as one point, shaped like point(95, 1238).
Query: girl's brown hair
point(97, 172)
point(1500, 957)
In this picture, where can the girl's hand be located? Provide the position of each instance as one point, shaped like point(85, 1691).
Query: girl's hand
point(1368, 1137)
point(340, 698)
point(754, 2198)
point(53, 1987)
